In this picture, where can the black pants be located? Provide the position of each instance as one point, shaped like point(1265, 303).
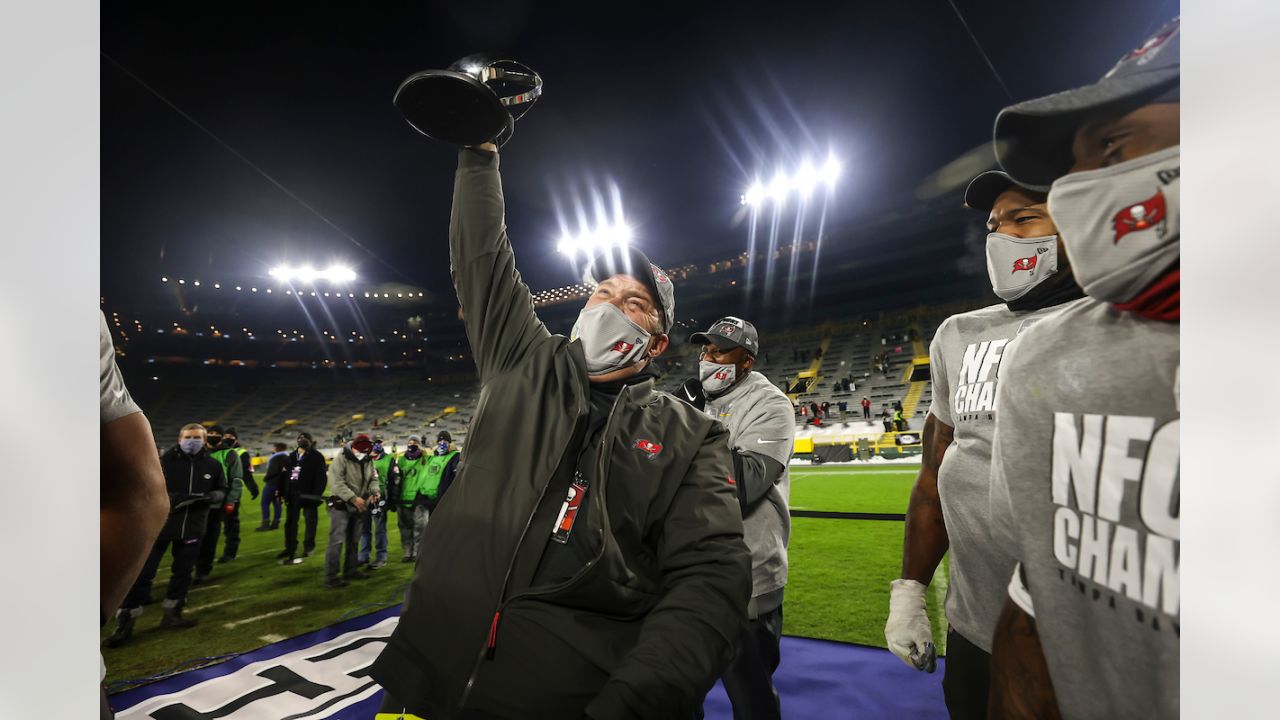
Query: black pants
point(866, 413)
point(209, 546)
point(184, 560)
point(311, 515)
point(967, 679)
point(748, 681)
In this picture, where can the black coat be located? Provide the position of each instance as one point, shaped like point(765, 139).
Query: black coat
point(187, 476)
point(314, 475)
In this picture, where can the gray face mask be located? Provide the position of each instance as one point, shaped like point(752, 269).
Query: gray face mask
point(716, 378)
point(1016, 265)
point(609, 339)
point(1120, 224)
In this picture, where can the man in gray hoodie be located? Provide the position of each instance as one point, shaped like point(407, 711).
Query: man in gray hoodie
point(762, 433)
point(353, 484)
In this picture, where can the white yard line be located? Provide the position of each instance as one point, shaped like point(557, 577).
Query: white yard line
point(271, 638)
point(198, 588)
point(198, 608)
point(237, 623)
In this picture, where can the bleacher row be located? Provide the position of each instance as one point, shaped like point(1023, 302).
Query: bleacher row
point(397, 408)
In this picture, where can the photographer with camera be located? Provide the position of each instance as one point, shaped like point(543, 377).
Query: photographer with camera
point(353, 488)
point(195, 483)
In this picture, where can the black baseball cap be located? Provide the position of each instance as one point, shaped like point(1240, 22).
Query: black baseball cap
point(444, 435)
point(627, 260)
point(986, 187)
point(728, 333)
point(1033, 138)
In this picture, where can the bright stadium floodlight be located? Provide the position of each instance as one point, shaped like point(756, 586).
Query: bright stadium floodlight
point(831, 171)
point(339, 274)
point(779, 186)
point(306, 274)
point(594, 241)
point(805, 178)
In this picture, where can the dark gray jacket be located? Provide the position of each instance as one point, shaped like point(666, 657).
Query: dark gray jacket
point(648, 623)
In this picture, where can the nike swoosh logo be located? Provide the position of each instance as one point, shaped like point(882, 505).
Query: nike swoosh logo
point(762, 441)
point(118, 392)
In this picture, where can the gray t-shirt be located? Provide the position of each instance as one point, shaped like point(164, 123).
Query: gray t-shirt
point(964, 362)
point(1084, 492)
point(759, 419)
point(113, 396)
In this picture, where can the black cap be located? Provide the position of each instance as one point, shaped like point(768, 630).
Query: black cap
point(1033, 138)
point(627, 260)
point(986, 187)
point(728, 333)
point(444, 435)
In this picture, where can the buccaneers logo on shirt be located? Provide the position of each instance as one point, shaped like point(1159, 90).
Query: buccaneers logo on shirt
point(649, 448)
point(1142, 216)
point(1026, 263)
point(622, 346)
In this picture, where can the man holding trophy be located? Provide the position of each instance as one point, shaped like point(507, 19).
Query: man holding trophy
point(589, 562)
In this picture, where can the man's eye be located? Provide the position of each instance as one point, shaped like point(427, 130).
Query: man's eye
point(1025, 218)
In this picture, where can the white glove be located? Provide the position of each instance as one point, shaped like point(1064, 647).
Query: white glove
point(907, 631)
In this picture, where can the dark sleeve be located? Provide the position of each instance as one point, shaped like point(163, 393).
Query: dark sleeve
point(497, 307)
point(249, 481)
point(755, 474)
point(688, 637)
point(446, 478)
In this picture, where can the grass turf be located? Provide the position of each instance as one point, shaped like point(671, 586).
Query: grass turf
point(838, 590)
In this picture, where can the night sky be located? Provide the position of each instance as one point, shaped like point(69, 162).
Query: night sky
point(679, 107)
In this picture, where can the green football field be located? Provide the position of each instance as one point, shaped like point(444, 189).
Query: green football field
point(840, 571)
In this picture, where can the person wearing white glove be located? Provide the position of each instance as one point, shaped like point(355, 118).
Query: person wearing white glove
point(950, 508)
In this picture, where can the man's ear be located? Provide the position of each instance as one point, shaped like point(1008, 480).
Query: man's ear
point(746, 365)
point(657, 346)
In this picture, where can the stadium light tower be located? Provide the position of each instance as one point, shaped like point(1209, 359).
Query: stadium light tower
point(801, 182)
point(308, 275)
point(595, 241)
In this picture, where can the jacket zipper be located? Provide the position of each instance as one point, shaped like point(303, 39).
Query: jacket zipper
point(191, 480)
point(491, 640)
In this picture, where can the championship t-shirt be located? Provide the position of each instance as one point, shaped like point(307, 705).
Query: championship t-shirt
point(1084, 493)
point(113, 397)
point(964, 361)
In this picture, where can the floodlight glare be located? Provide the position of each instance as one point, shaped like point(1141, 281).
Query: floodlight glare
point(754, 195)
point(779, 186)
point(595, 241)
point(805, 178)
point(306, 274)
point(339, 274)
point(831, 171)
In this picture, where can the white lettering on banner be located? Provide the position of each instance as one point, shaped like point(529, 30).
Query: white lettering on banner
point(1123, 540)
point(314, 681)
point(976, 383)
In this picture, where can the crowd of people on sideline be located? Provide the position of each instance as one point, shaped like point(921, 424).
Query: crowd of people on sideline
point(207, 471)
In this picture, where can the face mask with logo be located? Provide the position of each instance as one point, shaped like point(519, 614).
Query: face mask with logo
point(716, 378)
point(609, 339)
point(413, 452)
point(442, 447)
point(1120, 224)
point(191, 446)
point(377, 448)
point(1016, 265)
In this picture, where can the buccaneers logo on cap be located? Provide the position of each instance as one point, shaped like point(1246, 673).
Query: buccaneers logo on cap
point(622, 346)
point(649, 448)
point(1026, 263)
point(1142, 216)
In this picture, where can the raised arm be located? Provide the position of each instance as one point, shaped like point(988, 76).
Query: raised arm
point(687, 638)
point(497, 308)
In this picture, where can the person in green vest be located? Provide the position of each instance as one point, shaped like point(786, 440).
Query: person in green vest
point(220, 450)
point(231, 523)
point(411, 512)
point(441, 469)
point(373, 534)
